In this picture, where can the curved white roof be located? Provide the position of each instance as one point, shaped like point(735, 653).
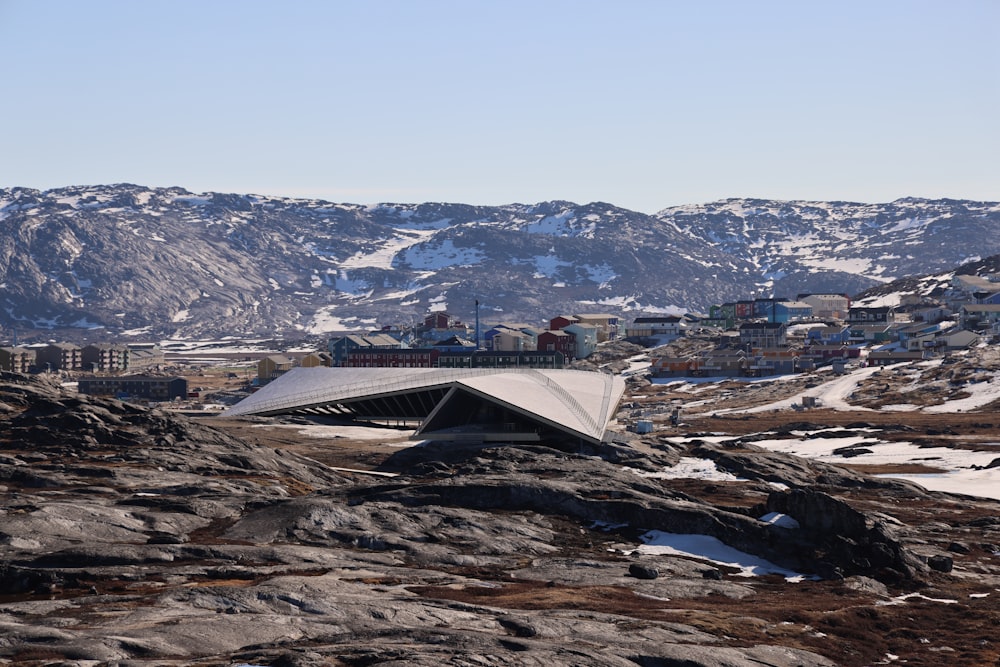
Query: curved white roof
point(577, 402)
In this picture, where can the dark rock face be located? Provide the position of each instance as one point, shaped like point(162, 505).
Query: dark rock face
point(138, 536)
point(843, 536)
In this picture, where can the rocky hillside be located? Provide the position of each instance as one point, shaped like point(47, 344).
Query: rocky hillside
point(165, 262)
point(137, 536)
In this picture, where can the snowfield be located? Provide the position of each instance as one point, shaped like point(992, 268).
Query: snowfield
point(950, 469)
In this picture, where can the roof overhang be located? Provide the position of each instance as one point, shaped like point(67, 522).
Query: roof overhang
point(575, 403)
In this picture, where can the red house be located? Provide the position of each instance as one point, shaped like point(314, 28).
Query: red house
point(744, 310)
point(560, 321)
point(557, 341)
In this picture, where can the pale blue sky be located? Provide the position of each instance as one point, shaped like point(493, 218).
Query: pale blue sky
point(643, 104)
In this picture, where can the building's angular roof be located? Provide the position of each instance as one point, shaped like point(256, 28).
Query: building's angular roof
point(577, 403)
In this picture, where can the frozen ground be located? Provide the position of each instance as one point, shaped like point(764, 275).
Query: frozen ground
point(710, 549)
point(963, 385)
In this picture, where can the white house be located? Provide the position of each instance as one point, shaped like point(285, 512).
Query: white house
point(670, 326)
point(586, 336)
point(827, 305)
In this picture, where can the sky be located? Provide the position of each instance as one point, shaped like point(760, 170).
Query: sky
point(644, 104)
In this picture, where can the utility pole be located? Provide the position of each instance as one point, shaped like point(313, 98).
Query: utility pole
point(477, 325)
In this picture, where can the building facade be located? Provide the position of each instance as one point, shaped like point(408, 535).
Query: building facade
point(557, 341)
point(607, 324)
point(835, 306)
point(340, 347)
point(272, 366)
point(17, 359)
point(59, 357)
point(149, 387)
point(585, 336)
point(500, 359)
point(669, 326)
point(104, 358)
point(762, 334)
point(422, 357)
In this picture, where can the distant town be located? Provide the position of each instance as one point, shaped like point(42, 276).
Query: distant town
point(750, 338)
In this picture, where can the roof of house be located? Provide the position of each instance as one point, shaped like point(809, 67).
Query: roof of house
point(871, 326)
point(577, 403)
point(670, 319)
point(752, 326)
point(895, 354)
point(822, 296)
point(279, 359)
point(974, 282)
point(453, 341)
point(516, 326)
point(513, 333)
point(381, 340)
point(368, 340)
point(961, 338)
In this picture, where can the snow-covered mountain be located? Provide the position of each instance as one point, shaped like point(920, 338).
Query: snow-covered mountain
point(166, 262)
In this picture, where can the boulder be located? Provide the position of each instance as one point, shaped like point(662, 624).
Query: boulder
point(940, 563)
point(643, 571)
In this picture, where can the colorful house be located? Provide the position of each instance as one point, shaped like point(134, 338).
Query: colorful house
point(585, 337)
point(272, 366)
point(557, 341)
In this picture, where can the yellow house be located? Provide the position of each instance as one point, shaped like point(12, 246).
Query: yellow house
point(272, 366)
point(314, 359)
point(607, 324)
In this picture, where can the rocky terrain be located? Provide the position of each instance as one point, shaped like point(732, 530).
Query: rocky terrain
point(137, 536)
point(216, 264)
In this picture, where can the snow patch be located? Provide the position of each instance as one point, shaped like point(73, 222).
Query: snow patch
point(704, 547)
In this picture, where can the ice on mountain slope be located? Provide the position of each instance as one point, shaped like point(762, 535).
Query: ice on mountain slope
point(432, 255)
point(383, 256)
point(564, 223)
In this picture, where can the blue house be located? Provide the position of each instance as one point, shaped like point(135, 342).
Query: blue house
point(917, 330)
point(792, 311)
point(829, 335)
point(339, 348)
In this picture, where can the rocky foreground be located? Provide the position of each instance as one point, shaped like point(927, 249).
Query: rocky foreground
point(134, 536)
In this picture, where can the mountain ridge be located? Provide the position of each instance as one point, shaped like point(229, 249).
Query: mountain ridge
point(165, 262)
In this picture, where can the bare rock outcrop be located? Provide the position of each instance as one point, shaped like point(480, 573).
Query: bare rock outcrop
point(138, 536)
